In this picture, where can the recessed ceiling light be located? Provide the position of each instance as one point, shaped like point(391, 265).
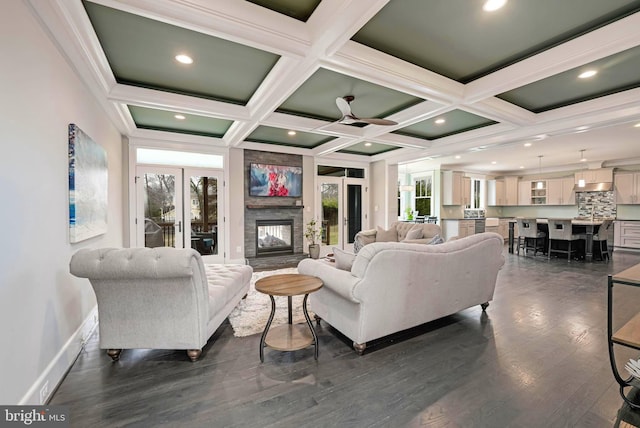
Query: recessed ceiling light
point(491, 5)
point(587, 74)
point(184, 59)
point(527, 144)
point(179, 117)
point(367, 144)
point(458, 156)
point(291, 132)
point(440, 121)
point(637, 125)
point(521, 167)
point(493, 162)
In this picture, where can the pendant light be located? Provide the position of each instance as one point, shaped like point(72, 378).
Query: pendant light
point(581, 182)
point(540, 184)
point(405, 187)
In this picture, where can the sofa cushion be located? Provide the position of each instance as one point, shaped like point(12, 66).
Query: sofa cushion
point(414, 233)
point(383, 235)
point(344, 259)
point(436, 240)
point(224, 282)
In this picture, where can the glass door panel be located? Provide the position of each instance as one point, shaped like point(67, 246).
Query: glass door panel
point(159, 199)
point(330, 195)
point(203, 210)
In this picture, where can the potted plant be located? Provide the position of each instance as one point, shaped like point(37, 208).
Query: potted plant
point(313, 233)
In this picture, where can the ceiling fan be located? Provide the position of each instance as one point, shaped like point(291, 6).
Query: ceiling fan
point(349, 118)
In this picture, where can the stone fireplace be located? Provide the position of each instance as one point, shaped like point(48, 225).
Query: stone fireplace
point(274, 237)
point(274, 225)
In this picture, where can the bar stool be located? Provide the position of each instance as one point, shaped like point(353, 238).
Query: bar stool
point(527, 232)
point(562, 230)
point(600, 239)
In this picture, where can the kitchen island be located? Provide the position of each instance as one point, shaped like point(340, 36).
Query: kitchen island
point(586, 226)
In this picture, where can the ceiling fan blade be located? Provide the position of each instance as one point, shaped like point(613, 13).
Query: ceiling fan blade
point(344, 106)
point(374, 121)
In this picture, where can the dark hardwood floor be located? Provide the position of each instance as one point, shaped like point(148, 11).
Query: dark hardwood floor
point(537, 358)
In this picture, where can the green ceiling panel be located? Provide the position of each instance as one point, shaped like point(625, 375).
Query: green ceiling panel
point(163, 120)
point(141, 52)
point(316, 97)
point(298, 9)
point(616, 73)
point(370, 150)
point(456, 121)
point(279, 136)
point(457, 39)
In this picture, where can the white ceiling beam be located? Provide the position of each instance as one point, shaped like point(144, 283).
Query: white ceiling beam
point(600, 43)
point(237, 21)
point(152, 98)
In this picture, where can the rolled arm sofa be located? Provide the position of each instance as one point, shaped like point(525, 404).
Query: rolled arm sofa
point(393, 286)
point(429, 231)
point(159, 298)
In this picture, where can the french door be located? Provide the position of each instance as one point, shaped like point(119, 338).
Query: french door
point(181, 208)
point(342, 202)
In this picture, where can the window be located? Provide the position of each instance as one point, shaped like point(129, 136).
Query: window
point(477, 193)
point(399, 199)
point(422, 196)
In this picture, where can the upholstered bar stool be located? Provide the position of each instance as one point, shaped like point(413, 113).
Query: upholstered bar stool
point(600, 239)
point(528, 232)
point(561, 230)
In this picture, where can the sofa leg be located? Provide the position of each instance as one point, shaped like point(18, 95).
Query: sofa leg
point(484, 306)
point(114, 354)
point(359, 347)
point(317, 318)
point(194, 354)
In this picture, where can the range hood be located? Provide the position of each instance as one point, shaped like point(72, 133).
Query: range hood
point(594, 187)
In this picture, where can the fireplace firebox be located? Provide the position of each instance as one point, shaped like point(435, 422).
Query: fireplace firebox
point(274, 237)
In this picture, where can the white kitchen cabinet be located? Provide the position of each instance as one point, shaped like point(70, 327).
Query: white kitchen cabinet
point(627, 186)
point(602, 175)
point(560, 191)
point(459, 228)
point(524, 193)
point(456, 188)
point(496, 193)
point(511, 191)
point(626, 234)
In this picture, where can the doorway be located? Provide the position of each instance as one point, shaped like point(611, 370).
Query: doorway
point(181, 208)
point(341, 211)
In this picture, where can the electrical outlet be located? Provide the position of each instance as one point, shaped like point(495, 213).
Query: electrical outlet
point(239, 249)
point(44, 392)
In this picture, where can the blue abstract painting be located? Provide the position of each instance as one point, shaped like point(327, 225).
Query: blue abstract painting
point(88, 179)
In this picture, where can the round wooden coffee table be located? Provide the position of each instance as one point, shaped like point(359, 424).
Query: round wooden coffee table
point(288, 337)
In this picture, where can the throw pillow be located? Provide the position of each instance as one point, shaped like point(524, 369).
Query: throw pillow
point(383, 235)
point(436, 240)
point(344, 259)
point(414, 233)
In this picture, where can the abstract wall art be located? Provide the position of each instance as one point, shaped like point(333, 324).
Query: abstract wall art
point(275, 180)
point(88, 178)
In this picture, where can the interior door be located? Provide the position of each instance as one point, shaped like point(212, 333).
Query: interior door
point(341, 211)
point(203, 213)
point(159, 219)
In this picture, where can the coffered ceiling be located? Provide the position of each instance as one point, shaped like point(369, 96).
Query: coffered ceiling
point(265, 74)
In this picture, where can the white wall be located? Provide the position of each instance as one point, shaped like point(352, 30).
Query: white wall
point(42, 307)
point(235, 220)
point(383, 203)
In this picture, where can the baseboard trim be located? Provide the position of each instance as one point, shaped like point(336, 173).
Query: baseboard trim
point(57, 369)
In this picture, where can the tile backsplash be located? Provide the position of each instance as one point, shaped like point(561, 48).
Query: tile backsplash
point(602, 204)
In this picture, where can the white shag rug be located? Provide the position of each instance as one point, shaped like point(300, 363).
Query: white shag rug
point(252, 313)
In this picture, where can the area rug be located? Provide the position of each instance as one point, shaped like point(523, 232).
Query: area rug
point(251, 314)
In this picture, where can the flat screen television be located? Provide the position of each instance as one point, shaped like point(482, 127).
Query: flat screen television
point(275, 180)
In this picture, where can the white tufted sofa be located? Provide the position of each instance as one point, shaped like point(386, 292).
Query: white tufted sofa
point(393, 286)
point(159, 298)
